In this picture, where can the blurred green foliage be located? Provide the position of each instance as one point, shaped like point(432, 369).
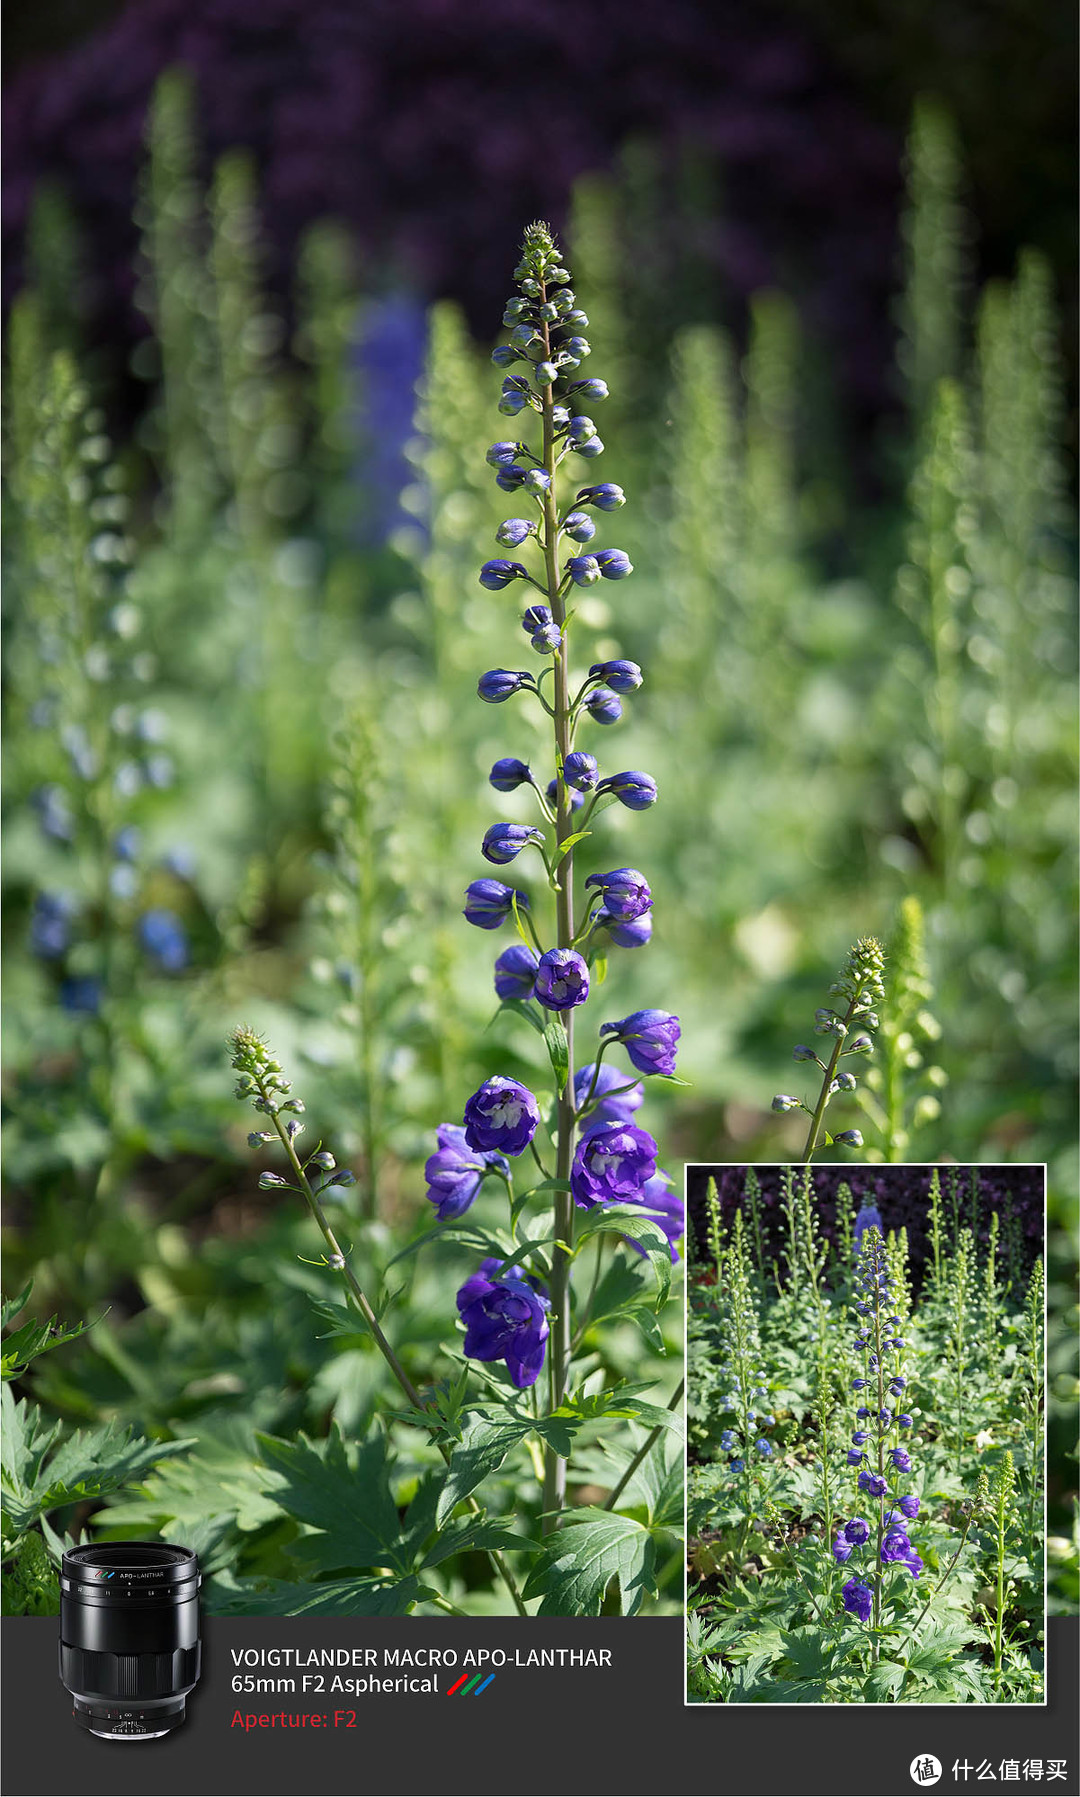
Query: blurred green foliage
point(846, 708)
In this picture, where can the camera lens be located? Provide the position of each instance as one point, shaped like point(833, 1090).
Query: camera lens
point(129, 1636)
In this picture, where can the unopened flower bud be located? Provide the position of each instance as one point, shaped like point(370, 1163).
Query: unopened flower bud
point(498, 574)
point(604, 706)
point(614, 564)
point(499, 684)
point(580, 770)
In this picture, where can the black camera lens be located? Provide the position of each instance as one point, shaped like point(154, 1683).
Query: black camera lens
point(129, 1636)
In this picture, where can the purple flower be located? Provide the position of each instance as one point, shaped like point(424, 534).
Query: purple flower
point(562, 979)
point(624, 891)
point(873, 1484)
point(895, 1545)
point(499, 573)
point(841, 1549)
point(488, 903)
point(857, 1531)
point(580, 771)
point(504, 842)
point(612, 1105)
point(509, 773)
point(621, 676)
point(500, 684)
point(858, 1599)
point(904, 1420)
point(500, 455)
point(634, 790)
point(501, 1115)
point(910, 1507)
point(664, 1206)
point(164, 939)
point(869, 1217)
point(590, 389)
point(512, 532)
point(914, 1564)
point(455, 1170)
point(604, 706)
point(127, 842)
point(50, 925)
point(855, 1456)
point(649, 1038)
point(901, 1459)
point(612, 1165)
point(81, 995)
point(580, 526)
point(860, 1438)
point(505, 1319)
point(515, 972)
point(628, 935)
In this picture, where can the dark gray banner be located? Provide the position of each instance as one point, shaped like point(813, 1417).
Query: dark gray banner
point(481, 1709)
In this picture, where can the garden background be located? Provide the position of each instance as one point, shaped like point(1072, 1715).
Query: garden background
point(256, 257)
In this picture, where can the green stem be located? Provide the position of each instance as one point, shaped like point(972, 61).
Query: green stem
point(875, 1650)
point(830, 1074)
point(1000, 1591)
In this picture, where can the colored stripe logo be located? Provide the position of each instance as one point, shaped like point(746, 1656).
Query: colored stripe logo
point(468, 1683)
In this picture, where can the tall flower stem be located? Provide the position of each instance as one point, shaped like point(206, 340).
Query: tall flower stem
point(559, 1342)
point(818, 1117)
point(876, 1647)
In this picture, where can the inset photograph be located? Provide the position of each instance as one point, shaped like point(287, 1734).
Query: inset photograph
point(866, 1461)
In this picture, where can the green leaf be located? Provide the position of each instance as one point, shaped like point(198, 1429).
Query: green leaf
point(341, 1490)
point(519, 1008)
point(34, 1338)
point(484, 1445)
point(228, 1596)
point(621, 1400)
point(885, 1681)
point(558, 1051)
point(578, 1563)
point(12, 1306)
point(569, 842)
point(940, 1645)
point(469, 1534)
point(487, 1440)
point(633, 1221)
point(599, 970)
point(41, 1472)
point(809, 1651)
